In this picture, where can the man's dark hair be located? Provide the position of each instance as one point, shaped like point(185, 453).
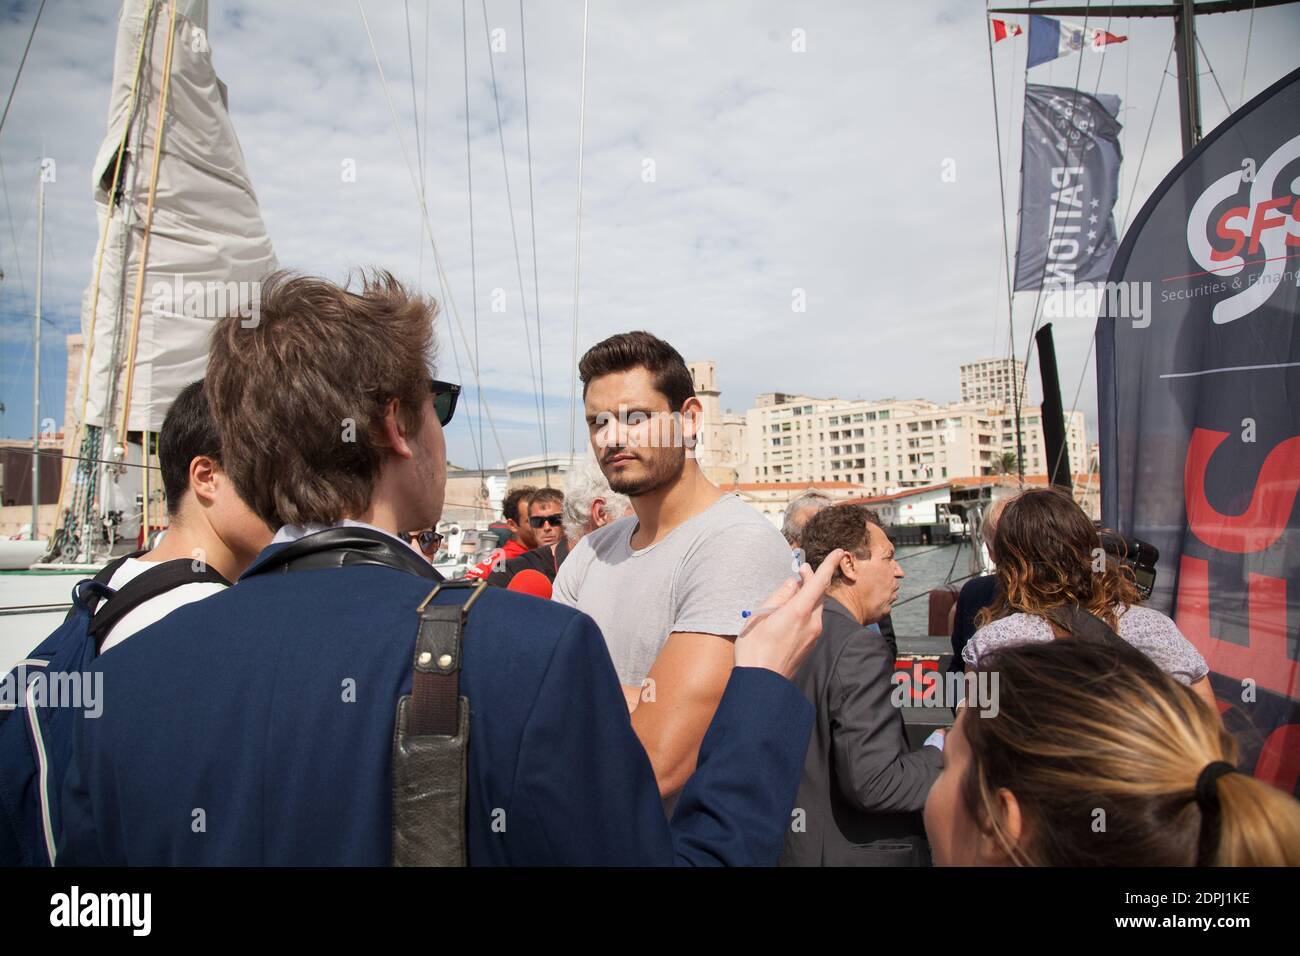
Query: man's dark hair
point(629, 350)
point(188, 432)
point(546, 496)
point(839, 526)
point(510, 504)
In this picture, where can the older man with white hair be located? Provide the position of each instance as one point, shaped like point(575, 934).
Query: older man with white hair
point(797, 513)
point(589, 503)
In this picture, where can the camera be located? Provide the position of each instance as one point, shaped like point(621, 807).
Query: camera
point(1138, 556)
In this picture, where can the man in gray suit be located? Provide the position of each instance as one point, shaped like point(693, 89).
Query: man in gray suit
point(862, 789)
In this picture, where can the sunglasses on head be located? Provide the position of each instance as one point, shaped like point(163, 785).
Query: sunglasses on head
point(538, 521)
point(444, 399)
point(428, 541)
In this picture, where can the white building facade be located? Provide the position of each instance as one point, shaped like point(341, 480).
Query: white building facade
point(891, 445)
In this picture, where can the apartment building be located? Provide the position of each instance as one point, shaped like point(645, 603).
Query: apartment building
point(992, 380)
point(890, 445)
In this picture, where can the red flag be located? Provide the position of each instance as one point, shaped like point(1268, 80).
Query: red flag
point(1100, 38)
point(1002, 29)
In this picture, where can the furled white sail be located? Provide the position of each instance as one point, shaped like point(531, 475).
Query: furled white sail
point(207, 246)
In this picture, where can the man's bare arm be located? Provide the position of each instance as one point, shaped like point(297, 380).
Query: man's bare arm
point(678, 701)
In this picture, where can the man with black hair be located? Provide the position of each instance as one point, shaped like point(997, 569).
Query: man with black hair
point(545, 518)
point(209, 525)
point(514, 511)
point(669, 585)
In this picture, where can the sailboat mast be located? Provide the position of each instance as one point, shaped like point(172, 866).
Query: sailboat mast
point(1189, 84)
point(36, 359)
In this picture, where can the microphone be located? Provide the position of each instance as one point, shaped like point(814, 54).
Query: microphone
point(531, 582)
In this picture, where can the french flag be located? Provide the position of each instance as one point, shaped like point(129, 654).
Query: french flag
point(1002, 30)
point(1100, 38)
point(1050, 38)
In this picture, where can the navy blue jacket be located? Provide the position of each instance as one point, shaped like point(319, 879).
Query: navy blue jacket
point(228, 737)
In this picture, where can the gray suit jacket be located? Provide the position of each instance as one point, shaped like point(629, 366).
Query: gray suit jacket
point(862, 789)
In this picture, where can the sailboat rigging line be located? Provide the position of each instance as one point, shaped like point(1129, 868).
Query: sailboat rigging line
point(1128, 61)
point(21, 63)
point(478, 455)
point(532, 226)
point(1006, 249)
point(1078, 389)
point(1164, 75)
point(89, 341)
point(13, 235)
point(92, 460)
point(474, 442)
point(510, 207)
point(148, 217)
point(916, 597)
point(956, 552)
point(1004, 253)
point(424, 164)
point(415, 111)
point(1038, 298)
point(1245, 60)
point(1209, 66)
point(469, 178)
point(577, 257)
point(443, 282)
point(1092, 339)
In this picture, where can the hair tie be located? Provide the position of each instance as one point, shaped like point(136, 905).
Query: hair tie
point(1207, 799)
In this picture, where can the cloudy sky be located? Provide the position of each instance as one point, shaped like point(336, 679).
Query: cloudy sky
point(735, 152)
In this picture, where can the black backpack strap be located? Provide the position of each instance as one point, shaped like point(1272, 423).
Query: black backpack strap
point(1081, 623)
point(346, 547)
point(431, 739)
point(107, 571)
point(88, 595)
point(145, 586)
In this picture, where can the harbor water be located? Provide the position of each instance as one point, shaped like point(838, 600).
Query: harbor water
point(926, 567)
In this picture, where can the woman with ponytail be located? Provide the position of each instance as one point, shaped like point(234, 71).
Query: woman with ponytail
point(1092, 756)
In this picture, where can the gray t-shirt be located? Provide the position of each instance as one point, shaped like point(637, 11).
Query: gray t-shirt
point(726, 559)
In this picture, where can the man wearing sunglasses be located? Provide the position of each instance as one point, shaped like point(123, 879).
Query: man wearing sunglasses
point(257, 726)
point(545, 515)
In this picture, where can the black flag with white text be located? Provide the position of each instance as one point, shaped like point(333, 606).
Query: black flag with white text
point(1069, 179)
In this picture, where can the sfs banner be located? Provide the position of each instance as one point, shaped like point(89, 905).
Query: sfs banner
point(1198, 376)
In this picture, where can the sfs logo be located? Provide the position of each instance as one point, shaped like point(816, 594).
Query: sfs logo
point(1263, 230)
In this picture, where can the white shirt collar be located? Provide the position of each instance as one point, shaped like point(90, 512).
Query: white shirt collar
point(292, 532)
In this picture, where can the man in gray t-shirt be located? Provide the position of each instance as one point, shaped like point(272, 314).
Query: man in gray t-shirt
point(726, 559)
point(667, 585)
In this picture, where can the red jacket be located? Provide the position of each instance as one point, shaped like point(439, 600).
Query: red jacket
point(511, 549)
